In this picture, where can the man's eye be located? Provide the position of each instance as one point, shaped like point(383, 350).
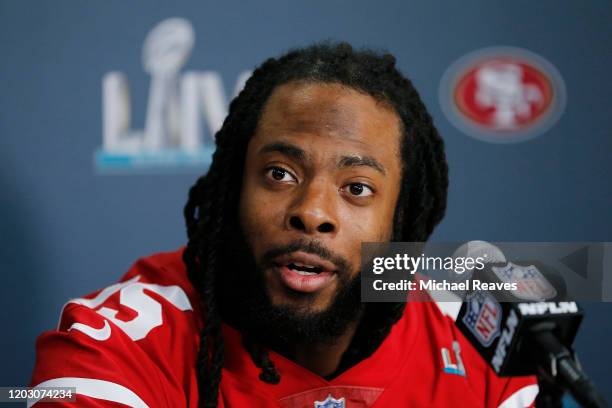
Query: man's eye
point(279, 174)
point(359, 190)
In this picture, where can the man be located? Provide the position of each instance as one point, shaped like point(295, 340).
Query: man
point(325, 148)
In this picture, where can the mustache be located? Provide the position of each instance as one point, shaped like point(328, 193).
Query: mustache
point(309, 247)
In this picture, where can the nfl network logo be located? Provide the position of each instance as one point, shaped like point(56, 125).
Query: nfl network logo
point(502, 94)
point(172, 137)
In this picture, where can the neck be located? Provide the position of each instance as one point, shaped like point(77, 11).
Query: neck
point(323, 359)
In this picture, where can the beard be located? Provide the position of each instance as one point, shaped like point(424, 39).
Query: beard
point(245, 302)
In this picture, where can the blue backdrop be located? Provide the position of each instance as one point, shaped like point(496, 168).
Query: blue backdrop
point(66, 229)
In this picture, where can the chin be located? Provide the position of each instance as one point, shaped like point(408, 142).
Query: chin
point(301, 304)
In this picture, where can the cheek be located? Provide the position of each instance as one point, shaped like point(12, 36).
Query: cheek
point(375, 226)
point(387, 223)
point(247, 212)
point(258, 217)
point(372, 224)
point(387, 214)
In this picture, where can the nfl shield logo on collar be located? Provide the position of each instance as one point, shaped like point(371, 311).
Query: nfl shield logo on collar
point(330, 402)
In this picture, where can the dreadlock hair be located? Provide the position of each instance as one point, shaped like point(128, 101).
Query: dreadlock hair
point(213, 200)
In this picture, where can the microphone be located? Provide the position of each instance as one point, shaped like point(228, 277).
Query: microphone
point(479, 249)
point(528, 330)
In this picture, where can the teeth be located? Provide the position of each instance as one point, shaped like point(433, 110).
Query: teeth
point(305, 273)
point(303, 265)
point(304, 269)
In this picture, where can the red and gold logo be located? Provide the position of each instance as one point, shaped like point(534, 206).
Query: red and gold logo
point(502, 94)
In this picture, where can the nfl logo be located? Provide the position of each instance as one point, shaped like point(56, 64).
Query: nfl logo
point(483, 317)
point(330, 402)
point(530, 283)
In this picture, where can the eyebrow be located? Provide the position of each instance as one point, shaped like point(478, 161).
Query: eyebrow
point(354, 161)
point(301, 156)
point(285, 148)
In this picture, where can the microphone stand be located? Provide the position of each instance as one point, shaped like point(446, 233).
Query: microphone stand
point(561, 372)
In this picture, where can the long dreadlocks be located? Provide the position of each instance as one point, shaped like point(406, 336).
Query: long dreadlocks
point(213, 200)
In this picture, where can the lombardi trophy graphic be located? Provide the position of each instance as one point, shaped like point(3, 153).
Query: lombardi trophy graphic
point(165, 51)
point(173, 134)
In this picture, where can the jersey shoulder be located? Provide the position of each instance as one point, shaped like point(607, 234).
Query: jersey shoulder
point(137, 338)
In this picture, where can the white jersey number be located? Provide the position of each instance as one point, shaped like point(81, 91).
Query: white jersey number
point(132, 295)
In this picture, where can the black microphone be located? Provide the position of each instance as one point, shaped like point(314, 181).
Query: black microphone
point(523, 324)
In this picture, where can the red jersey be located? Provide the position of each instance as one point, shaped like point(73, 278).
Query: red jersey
point(135, 344)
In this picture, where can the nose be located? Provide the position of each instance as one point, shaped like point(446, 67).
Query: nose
point(313, 210)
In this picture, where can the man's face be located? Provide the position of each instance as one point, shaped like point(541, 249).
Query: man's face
point(322, 175)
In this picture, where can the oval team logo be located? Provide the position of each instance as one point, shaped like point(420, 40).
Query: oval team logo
point(502, 94)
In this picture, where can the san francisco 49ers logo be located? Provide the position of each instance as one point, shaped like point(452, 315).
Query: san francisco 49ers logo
point(502, 94)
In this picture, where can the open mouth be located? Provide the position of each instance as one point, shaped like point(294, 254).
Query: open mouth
point(304, 269)
point(304, 272)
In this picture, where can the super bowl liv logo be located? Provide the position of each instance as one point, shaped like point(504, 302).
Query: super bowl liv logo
point(174, 136)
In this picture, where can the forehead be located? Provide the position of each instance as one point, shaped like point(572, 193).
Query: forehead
point(331, 110)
